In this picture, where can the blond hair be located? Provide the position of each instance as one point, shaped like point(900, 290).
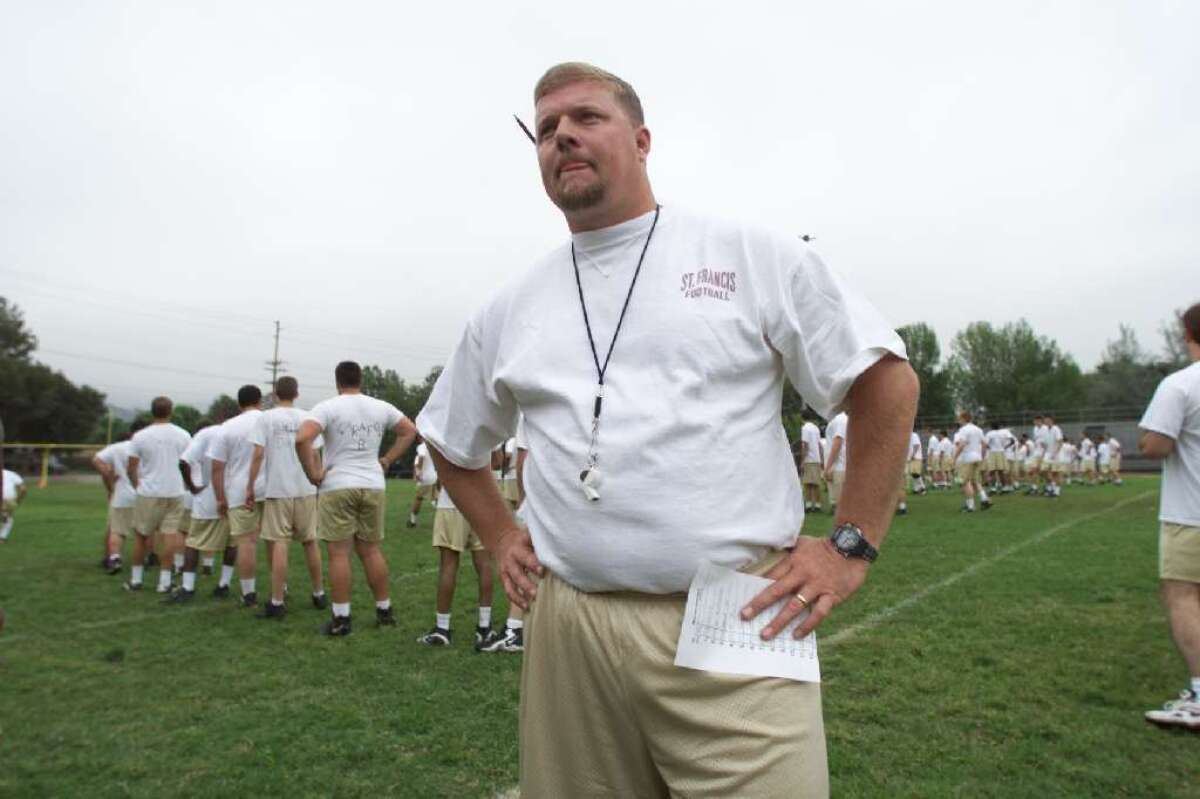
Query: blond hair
point(570, 72)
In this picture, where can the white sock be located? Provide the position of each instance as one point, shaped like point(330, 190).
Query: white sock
point(1196, 687)
point(135, 574)
point(903, 506)
point(319, 593)
point(178, 561)
point(247, 586)
point(514, 624)
point(5, 529)
point(982, 495)
point(189, 581)
point(443, 621)
point(341, 608)
point(164, 578)
point(226, 576)
point(971, 504)
point(412, 517)
point(276, 602)
point(485, 617)
point(208, 561)
point(383, 604)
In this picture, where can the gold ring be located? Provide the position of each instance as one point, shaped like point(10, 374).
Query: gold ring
point(803, 601)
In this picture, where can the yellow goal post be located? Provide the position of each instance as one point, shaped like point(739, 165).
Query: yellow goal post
point(44, 479)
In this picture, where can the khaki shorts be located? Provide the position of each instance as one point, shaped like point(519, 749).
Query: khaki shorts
point(969, 472)
point(508, 490)
point(1179, 552)
point(1115, 465)
point(605, 710)
point(158, 515)
point(208, 535)
point(244, 522)
point(835, 485)
point(451, 531)
point(1089, 467)
point(290, 519)
point(348, 513)
point(120, 521)
point(1059, 468)
point(8, 508)
point(915, 467)
point(428, 492)
point(810, 474)
point(1104, 468)
point(185, 521)
point(994, 461)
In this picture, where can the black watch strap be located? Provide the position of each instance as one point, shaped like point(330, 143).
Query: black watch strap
point(850, 542)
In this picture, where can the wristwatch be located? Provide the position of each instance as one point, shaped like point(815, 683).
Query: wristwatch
point(849, 542)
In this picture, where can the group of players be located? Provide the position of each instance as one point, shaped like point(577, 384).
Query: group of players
point(973, 460)
point(285, 475)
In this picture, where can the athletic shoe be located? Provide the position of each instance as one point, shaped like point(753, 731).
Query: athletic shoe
point(902, 511)
point(131, 586)
point(220, 592)
point(435, 637)
point(486, 637)
point(161, 589)
point(320, 602)
point(385, 618)
point(179, 597)
point(338, 625)
point(151, 560)
point(272, 611)
point(1181, 712)
point(410, 523)
point(114, 566)
point(965, 509)
point(511, 641)
point(986, 505)
point(207, 570)
point(249, 600)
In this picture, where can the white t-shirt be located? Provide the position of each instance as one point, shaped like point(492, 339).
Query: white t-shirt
point(997, 440)
point(510, 454)
point(443, 500)
point(720, 315)
point(1105, 452)
point(971, 437)
point(427, 474)
point(353, 425)
point(914, 448)
point(1066, 453)
point(231, 445)
point(1054, 439)
point(158, 448)
point(947, 447)
point(810, 434)
point(1115, 446)
point(1010, 448)
point(275, 432)
point(204, 504)
point(836, 429)
point(117, 456)
point(11, 481)
point(933, 447)
point(1175, 412)
point(1087, 449)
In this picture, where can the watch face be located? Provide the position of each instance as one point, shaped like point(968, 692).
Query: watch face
point(846, 539)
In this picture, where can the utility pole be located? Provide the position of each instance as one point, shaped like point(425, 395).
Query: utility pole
point(274, 364)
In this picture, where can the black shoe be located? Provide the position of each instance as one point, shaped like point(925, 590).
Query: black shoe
point(902, 511)
point(385, 618)
point(486, 639)
point(179, 597)
point(113, 566)
point(272, 611)
point(338, 625)
point(151, 560)
point(510, 641)
point(220, 592)
point(207, 570)
point(985, 505)
point(320, 601)
point(131, 586)
point(249, 600)
point(435, 637)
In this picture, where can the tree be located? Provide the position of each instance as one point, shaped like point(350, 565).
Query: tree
point(222, 408)
point(1011, 368)
point(186, 417)
point(1174, 350)
point(1126, 375)
point(924, 355)
point(16, 341)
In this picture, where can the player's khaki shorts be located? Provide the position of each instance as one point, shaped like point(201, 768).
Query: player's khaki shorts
point(508, 490)
point(1089, 467)
point(1116, 463)
point(8, 508)
point(1058, 468)
point(915, 467)
point(995, 462)
point(451, 531)
point(208, 535)
point(835, 485)
point(606, 712)
point(244, 522)
point(969, 471)
point(428, 492)
point(1014, 467)
point(185, 521)
point(158, 515)
point(351, 513)
point(290, 519)
point(120, 521)
point(1178, 553)
point(1104, 468)
point(810, 474)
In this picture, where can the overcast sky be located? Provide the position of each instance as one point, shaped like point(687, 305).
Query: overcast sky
point(175, 177)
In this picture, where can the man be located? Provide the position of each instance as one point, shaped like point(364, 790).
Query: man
point(933, 460)
point(209, 530)
point(153, 469)
point(621, 510)
point(948, 466)
point(350, 508)
point(12, 494)
point(995, 465)
point(112, 463)
point(1114, 445)
point(289, 510)
point(452, 536)
point(1065, 462)
point(916, 463)
point(1054, 438)
point(231, 453)
point(968, 455)
point(1087, 460)
point(1171, 434)
point(811, 458)
point(1104, 460)
point(512, 640)
point(835, 465)
point(425, 478)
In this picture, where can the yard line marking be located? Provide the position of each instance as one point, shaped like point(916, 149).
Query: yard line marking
point(132, 619)
point(877, 618)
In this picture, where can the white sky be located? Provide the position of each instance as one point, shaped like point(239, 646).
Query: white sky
point(174, 177)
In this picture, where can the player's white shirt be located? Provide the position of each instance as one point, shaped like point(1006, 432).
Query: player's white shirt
point(11, 481)
point(275, 431)
point(1026, 453)
point(1054, 440)
point(721, 314)
point(836, 429)
point(158, 448)
point(444, 502)
point(1114, 445)
point(971, 437)
point(204, 504)
point(1066, 453)
point(914, 448)
point(947, 446)
point(1087, 449)
point(810, 434)
point(427, 474)
point(997, 440)
point(1105, 453)
point(231, 445)
point(510, 454)
point(1010, 448)
point(117, 457)
point(934, 445)
point(1174, 411)
point(353, 425)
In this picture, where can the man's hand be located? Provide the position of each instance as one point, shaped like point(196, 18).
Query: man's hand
point(816, 570)
point(249, 503)
point(385, 464)
point(518, 563)
point(317, 477)
point(829, 475)
point(222, 508)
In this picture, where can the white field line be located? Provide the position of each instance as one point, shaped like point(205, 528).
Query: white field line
point(880, 616)
point(160, 613)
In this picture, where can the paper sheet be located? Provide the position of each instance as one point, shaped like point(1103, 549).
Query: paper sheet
point(714, 637)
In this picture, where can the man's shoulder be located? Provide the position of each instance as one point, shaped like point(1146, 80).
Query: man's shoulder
point(1186, 380)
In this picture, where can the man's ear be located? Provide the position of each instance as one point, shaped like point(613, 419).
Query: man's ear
point(642, 139)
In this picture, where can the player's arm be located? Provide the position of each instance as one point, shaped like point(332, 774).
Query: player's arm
point(131, 470)
point(522, 454)
point(1155, 445)
point(406, 434)
point(803, 450)
point(185, 471)
point(835, 447)
point(218, 484)
point(256, 461)
point(314, 471)
point(108, 475)
point(418, 465)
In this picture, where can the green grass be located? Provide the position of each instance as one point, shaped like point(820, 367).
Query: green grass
point(1027, 677)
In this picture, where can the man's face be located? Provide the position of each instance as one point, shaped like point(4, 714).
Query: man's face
point(589, 151)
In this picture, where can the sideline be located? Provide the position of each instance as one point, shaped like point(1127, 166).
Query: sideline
point(880, 616)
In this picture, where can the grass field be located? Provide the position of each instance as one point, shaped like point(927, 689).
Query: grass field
point(1007, 654)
